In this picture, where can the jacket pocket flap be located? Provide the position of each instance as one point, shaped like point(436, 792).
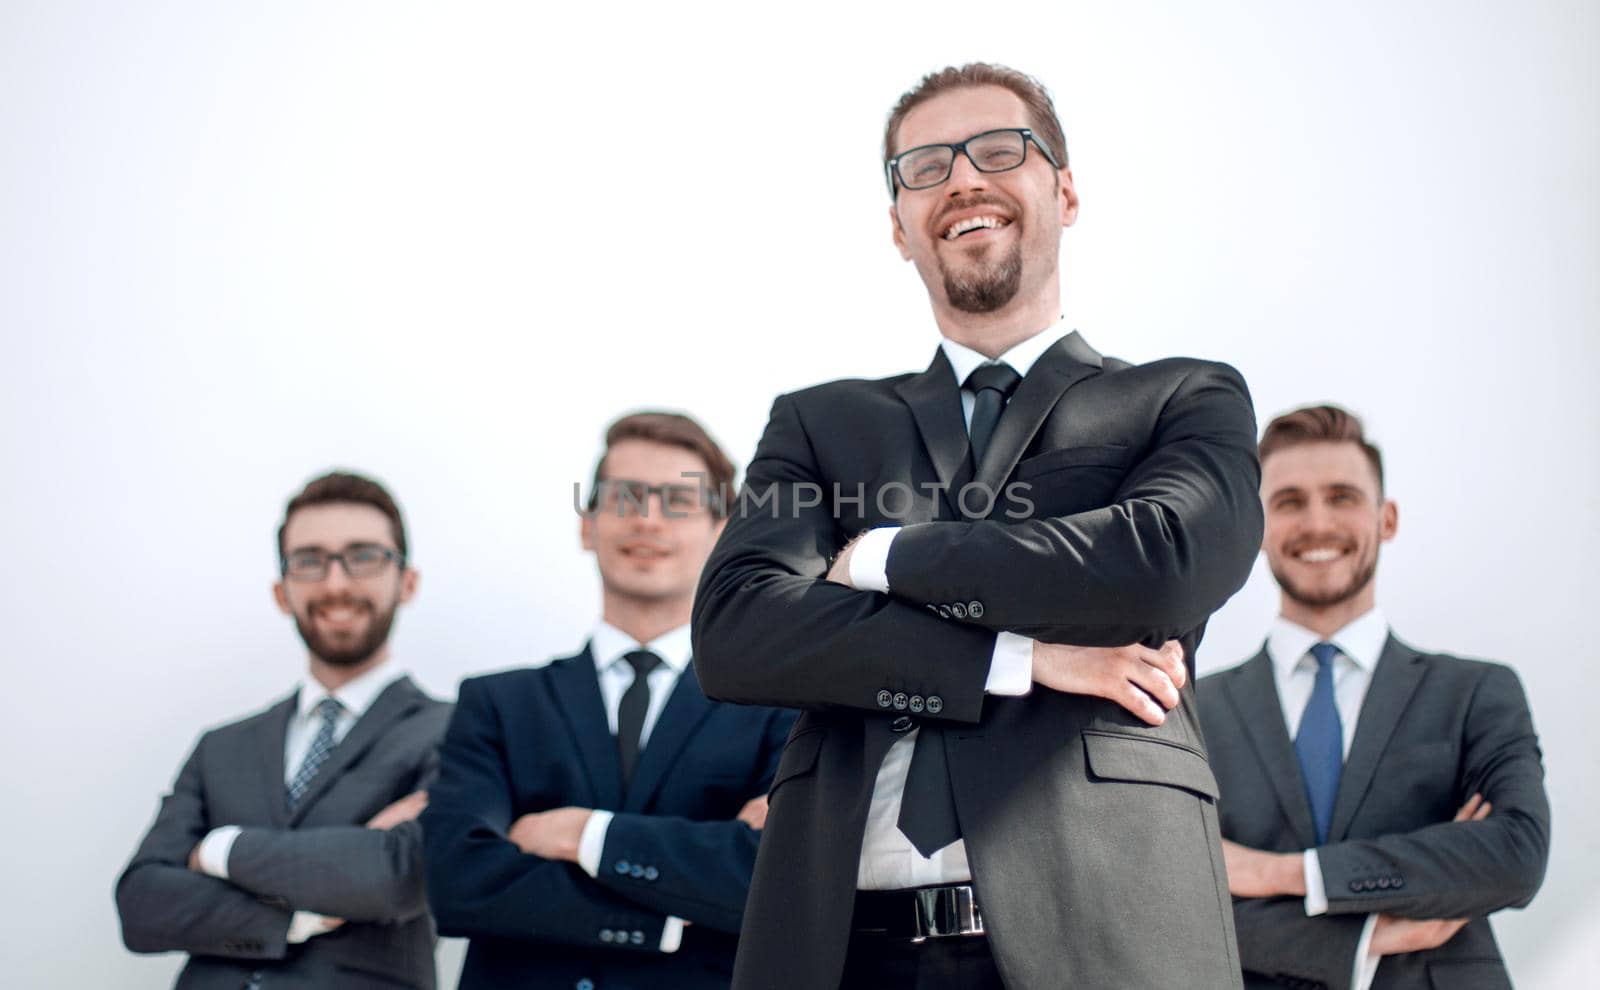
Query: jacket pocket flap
point(799, 756)
point(1113, 756)
point(1468, 974)
point(1104, 454)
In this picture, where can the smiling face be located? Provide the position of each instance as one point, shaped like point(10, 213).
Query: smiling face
point(344, 621)
point(1325, 517)
point(650, 558)
point(981, 241)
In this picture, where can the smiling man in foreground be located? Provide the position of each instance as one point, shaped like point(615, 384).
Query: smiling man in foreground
point(978, 794)
point(1381, 801)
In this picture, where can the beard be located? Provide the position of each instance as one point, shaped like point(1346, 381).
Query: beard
point(983, 287)
point(346, 653)
point(1365, 570)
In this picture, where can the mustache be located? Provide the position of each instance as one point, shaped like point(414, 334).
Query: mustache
point(340, 601)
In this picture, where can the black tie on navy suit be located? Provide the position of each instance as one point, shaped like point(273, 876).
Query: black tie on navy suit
point(927, 807)
point(631, 712)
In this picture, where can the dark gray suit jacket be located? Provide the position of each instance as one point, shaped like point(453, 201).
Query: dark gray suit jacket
point(319, 858)
point(1092, 836)
point(1433, 731)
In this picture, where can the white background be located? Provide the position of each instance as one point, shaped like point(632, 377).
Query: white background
point(445, 244)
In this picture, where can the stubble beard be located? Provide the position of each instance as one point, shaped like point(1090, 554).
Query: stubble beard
point(355, 654)
point(1365, 572)
point(984, 287)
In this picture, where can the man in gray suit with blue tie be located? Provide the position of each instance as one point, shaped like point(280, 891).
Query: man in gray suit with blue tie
point(287, 854)
point(1378, 802)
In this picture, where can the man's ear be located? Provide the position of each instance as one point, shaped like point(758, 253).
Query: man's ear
point(899, 233)
point(586, 530)
point(1069, 198)
point(280, 595)
point(1390, 523)
point(409, 579)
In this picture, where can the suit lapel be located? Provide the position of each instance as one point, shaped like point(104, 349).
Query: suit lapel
point(935, 402)
point(684, 711)
point(1394, 680)
point(577, 689)
point(271, 738)
point(395, 702)
point(1068, 361)
point(1255, 696)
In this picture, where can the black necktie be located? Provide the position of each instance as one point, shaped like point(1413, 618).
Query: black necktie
point(927, 807)
point(991, 385)
point(630, 714)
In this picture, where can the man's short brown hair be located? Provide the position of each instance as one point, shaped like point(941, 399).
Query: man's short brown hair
point(1041, 109)
point(1319, 424)
point(344, 486)
point(675, 430)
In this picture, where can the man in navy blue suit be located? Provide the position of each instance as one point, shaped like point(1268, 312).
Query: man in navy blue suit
point(595, 821)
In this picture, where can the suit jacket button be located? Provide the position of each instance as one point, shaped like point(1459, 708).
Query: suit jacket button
point(885, 699)
point(917, 703)
point(958, 610)
point(900, 701)
point(622, 867)
point(945, 612)
point(975, 609)
point(935, 704)
point(904, 723)
point(650, 873)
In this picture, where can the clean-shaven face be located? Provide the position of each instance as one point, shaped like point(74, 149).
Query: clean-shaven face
point(981, 239)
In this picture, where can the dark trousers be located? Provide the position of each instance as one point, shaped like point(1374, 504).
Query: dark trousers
point(962, 962)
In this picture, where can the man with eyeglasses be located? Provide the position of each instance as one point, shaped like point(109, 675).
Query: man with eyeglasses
point(999, 777)
point(596, 820)
point(288, 854)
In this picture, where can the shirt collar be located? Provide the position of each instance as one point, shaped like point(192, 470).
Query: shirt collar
point(1361, 640)
point(608, 645)
point(356, 696)
point(964, 360)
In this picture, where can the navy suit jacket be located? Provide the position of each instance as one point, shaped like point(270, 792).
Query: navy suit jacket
point(534, 739)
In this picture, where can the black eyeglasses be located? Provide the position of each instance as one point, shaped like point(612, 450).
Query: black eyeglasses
point(359, 560)
point(928, 165)
point(623, 496)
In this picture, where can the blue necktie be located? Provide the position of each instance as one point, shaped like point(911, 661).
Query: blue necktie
point(1320, 742)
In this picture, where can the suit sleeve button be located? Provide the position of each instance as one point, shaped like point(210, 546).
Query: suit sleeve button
point(935, 704)
point(637, 938)
point(1355, 886)
point(622, 867)
point(584, 984)
point(885, 698)
point(917, 703)
point(975, 609)
point(958, 610)
point(900, 701)
point(1399, 882)
point(607, 936)
point(944, 612)
point(637, 872)
point(1383, 883)
point(650, 873)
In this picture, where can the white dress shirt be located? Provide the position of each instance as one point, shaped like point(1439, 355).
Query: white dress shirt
point(609, 645)
point(888, 859)
point(356, 696)
point(1294, 671)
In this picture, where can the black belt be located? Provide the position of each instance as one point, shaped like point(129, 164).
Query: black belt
point(920, 914)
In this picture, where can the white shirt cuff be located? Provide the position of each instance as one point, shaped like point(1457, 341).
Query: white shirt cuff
point(214, 850)
point(672, 934)
point(1316, 894)
point(305, 924)
point(1366, 963)
point(869, 561)
point(592, 841)
point(1011, 669)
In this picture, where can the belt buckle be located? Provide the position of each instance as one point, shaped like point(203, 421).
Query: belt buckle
point(943, 912)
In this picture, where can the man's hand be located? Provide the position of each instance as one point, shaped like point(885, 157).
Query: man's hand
point(1129, 675)
point(403, 810)
point(1254, 873)
point(754, 813)
point(1393, 936)
point(839, 573)
point(1475, 810)
point(550, 834)
point(194, 859)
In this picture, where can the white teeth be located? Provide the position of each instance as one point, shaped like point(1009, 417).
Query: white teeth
point(1320, 556)
point(973, 223)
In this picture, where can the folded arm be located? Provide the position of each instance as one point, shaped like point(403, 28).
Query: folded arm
point(349, 872)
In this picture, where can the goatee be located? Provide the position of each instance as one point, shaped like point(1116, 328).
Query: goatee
point(981, 287)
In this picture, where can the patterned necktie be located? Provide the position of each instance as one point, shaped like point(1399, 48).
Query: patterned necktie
point(991, 385)
point(1320, 742)
point(321, 746)
point(630, 714)
point(927, 806)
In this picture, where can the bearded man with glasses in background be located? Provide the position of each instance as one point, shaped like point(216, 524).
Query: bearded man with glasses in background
point(288, 853)
point(999, 777)
point(596, 819)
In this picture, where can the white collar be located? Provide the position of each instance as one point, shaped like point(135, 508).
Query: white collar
point(608, 645)
point(1021, 357)
point(356, 696)
point(1361, 640)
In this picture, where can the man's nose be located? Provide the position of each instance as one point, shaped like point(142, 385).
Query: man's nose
point(338, 576)
point(964, 176)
